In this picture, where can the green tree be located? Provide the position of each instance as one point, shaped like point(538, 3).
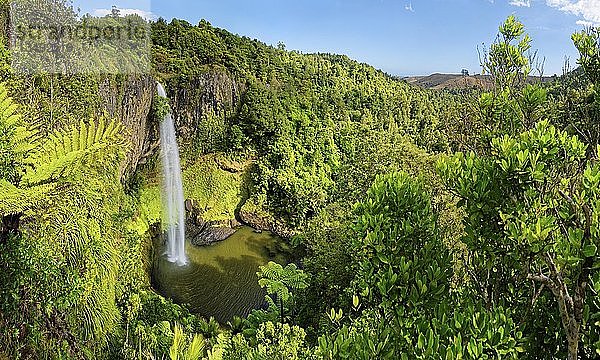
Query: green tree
point(400, 257)
point(513, 103)
point(403, 282)
point(576, 105)
point(507, 60)
point(532, 224)
point(587, 43)
point(281, 281)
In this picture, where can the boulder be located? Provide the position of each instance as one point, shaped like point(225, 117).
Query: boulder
point(210, 235)
point(203, 233)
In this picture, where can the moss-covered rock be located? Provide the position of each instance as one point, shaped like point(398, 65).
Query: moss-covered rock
point(216, 192)
point(254, 213)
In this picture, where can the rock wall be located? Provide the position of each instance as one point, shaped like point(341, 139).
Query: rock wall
point(213, 92)
point(202, 106)
point(4, 21)
point(129, 99)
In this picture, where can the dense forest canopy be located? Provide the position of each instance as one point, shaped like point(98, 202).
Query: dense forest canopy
point(424, 224)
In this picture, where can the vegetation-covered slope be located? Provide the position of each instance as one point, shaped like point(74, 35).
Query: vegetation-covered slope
point(297, 115)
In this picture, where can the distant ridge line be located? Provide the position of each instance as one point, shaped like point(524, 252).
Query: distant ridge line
point(439, 81)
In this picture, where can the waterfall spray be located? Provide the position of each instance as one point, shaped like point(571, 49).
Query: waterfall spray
point(173, 207)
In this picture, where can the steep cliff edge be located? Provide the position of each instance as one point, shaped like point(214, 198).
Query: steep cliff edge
point(129, 99)
point(4, 21)
point(202, 105)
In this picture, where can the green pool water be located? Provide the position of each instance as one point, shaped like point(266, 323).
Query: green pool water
point(220, 280)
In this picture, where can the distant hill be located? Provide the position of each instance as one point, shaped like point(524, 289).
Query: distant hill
point(457, 81)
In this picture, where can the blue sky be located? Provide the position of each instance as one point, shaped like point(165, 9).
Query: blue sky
point(401, 37)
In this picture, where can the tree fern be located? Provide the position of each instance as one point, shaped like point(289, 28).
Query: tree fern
point(80, 226)
point(84, 160)
point(179, 350)
point(178, 341)
point(67, 151)
point(195, 349)
point(280, 281)
point(17, 139)
point(35, 166)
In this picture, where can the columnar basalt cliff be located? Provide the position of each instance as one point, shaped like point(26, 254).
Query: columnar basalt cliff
point(130, 101)
point(201, 106)
point(4, 22)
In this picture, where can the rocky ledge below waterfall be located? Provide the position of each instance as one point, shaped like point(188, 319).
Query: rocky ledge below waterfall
point(204, 233)
point(208, 235)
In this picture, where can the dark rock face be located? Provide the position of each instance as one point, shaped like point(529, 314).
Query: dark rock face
point(210, 235)
point(203, 233)
point(264, 224)
point(129, 99)
point(211, 92)
point(202, 107)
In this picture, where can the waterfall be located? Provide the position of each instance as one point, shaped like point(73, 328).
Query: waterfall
point(173, 208)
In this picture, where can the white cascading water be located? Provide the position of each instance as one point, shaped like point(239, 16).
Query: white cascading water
point(173, 206)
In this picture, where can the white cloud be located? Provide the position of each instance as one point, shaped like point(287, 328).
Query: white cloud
point(584, 23)
point(409, 7)
point(520, 3)
point(124, 12)
point(589, 10)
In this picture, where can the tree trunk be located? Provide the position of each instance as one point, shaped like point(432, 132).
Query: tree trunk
point(570, 325)
point(570, 310)
point(569, 318)
point(573, 347)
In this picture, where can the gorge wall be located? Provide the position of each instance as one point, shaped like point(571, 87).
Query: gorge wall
point(201, 106)
point(129, 99)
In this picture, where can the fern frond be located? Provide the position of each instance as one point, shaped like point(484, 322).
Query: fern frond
point(14, 200)
point(68, 151)
point(178, 339)
point(17, 139)
point(24, 141)
point(9, 112)
point(74, 139)
point(95, 313)
point(91, 134)
point(279, 280)
point(194, 350)
point(83, 134)
point(99, 130)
